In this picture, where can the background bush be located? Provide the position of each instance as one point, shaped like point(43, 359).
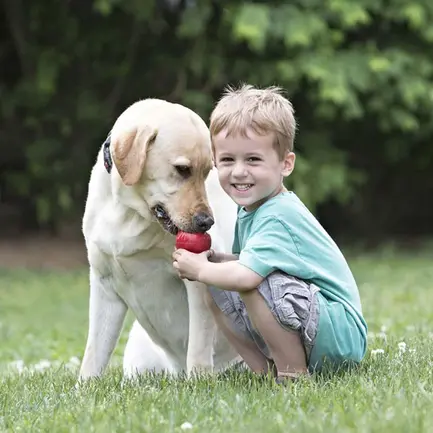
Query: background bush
point(360, 75)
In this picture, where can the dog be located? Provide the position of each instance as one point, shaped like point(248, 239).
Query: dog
point(153, 177)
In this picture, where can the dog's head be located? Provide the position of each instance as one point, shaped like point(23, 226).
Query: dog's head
point(163, 152)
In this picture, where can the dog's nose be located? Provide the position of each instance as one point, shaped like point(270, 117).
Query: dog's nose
point(202, 222)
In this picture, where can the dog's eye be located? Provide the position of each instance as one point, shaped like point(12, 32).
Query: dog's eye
point(183, 170)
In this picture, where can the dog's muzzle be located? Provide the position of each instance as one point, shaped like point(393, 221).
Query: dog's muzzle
point(201, 221)
point(164, 219)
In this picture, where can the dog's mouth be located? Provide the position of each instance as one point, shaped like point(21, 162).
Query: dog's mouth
point(164, 219)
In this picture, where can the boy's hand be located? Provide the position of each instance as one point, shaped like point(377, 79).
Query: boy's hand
point(188, 264)
point(215, 257)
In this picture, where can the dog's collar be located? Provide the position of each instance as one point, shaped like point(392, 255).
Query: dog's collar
point(108, 162)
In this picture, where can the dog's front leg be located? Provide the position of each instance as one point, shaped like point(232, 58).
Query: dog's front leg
point(106, 316)
point(202, 329)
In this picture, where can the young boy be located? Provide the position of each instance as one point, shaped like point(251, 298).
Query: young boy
point(286, 298)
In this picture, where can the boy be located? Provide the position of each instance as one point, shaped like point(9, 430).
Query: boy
point(286, 298)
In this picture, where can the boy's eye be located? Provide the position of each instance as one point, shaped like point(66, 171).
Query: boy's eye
point(254, 159)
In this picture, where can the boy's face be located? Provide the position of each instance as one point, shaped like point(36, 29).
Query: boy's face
point(249, 168)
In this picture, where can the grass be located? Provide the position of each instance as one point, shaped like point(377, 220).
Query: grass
point(43, 326)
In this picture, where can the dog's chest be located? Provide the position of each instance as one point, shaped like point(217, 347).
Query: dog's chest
point(157, 298)
point(149, 286)
point(146, 281)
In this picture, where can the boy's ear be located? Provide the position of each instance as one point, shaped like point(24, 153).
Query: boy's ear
point(288, 164)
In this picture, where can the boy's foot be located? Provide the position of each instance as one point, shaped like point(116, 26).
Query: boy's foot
point(285, 377)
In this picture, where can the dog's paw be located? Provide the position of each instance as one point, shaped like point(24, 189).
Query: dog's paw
point(80, 383)
point(197, 370)
point(78, 387)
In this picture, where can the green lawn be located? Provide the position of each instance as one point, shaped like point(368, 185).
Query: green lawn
point(43, 325)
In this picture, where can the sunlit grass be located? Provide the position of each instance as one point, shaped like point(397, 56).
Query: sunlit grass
point(43, 326)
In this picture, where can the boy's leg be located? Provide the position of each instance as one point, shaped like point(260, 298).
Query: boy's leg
point(284, 311)
point(246, 348)
point(286, 346)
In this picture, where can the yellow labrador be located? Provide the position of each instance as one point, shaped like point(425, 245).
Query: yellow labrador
point(153, 176)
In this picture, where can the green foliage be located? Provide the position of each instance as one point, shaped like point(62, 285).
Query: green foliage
point(360, 75)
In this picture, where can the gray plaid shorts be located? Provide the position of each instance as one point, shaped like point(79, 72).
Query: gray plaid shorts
point(293, 303)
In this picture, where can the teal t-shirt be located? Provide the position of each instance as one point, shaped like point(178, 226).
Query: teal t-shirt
point(282, 234)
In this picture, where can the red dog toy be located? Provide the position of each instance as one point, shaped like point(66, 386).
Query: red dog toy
point(193, 242)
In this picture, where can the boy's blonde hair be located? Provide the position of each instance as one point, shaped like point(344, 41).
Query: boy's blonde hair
point(262, 110)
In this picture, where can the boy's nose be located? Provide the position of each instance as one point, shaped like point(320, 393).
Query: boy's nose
point(239, 170)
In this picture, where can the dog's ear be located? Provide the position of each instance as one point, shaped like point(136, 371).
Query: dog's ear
point(129, 153)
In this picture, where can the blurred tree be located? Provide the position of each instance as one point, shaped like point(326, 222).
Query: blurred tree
point(360, 76)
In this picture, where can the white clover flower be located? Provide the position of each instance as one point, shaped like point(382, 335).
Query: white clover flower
point(402, 347)
point(186, 426)
point(42, 365)
point(376, 352)
point(73, 362)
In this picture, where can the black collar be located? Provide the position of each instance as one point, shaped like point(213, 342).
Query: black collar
point(108, 162)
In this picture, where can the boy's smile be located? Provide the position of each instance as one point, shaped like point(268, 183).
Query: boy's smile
point(249, 168)
point(242, 187)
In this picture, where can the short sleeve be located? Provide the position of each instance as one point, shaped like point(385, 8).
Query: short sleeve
point(270, 246)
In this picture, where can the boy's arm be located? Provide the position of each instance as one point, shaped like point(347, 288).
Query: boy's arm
point(229, 275)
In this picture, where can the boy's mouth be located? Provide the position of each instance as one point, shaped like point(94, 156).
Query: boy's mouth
point(242, 186)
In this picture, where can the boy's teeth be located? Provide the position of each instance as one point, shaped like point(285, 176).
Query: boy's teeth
point(243, 186)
